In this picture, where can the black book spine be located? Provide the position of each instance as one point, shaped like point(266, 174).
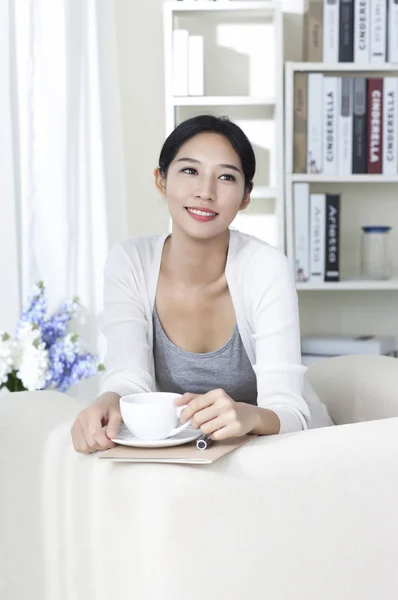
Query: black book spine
point(332, 255)
point(346, 32)
point(359, 146)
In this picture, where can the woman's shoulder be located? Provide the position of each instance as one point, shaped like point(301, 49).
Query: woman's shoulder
point(258, 267)
point(255, 253)
point(143, 248)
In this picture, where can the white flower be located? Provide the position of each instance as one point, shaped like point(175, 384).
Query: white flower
point(71, 346)
point(28, 333)
point(31, 358)
point(33, 366)
point(7, 354)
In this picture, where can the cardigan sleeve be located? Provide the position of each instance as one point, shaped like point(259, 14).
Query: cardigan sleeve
point(280, 374)
point(125, 327)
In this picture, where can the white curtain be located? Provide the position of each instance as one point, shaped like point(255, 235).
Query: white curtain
point(70, 193)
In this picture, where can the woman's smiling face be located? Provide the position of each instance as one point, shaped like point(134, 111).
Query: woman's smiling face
point(204, 186)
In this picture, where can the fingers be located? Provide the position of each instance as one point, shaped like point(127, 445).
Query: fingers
point(115, 420)
point(218, 398)
point(88, 434)
point(184, 399)
point(224, 433)
point(203, 416)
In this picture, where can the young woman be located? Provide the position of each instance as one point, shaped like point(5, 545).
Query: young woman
point(206, 311)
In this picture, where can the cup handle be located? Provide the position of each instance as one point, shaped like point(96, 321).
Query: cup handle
point(181, 427)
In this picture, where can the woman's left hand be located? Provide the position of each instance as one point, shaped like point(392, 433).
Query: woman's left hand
point(217, 415)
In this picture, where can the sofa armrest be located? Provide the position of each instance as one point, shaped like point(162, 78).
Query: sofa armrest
point(357, 387)
point(27, 422)
point(303, 515)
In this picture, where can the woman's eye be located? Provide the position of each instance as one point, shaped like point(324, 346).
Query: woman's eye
point(189, 171)
point(229, 177)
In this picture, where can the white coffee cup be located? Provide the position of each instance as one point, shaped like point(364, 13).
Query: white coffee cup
point(152, 415)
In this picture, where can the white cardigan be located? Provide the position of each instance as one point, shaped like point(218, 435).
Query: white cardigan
point(264, 296)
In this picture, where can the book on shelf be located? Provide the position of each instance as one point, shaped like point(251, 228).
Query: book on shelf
point(316, 235)
point(331, 112)
point(315, 123)
point(331, 29)
point(346, 125)
point(346, 31)
point(375, 128)
point(338, 345)
point(313, 31)
point(187, 63)
point(390, 128)
point(359, 31)
point(180, 62)
point(378, 31)
point(362, 31)
point(195, 65)
point(300, 123)
point(392, 34)
point(332, 237)
point(301, 227)
point(359, 157)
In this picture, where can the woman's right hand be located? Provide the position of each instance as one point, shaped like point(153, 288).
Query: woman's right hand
point(88, 432)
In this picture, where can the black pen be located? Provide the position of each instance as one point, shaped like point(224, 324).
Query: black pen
point(203, 442)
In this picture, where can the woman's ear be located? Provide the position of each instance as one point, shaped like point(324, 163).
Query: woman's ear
point(245, 201)
point(160, 182)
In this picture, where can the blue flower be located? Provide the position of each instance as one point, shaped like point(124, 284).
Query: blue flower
point(67, 366)
point(36, 310)
point(57, 325)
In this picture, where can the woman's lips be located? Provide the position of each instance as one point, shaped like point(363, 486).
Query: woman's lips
point(201, 214)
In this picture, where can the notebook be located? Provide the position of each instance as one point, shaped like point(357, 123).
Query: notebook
point(184, 454)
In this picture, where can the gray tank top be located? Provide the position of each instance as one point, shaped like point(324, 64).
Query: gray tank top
point(180, 371)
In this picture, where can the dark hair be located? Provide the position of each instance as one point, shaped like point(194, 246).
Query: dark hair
point(211, 124)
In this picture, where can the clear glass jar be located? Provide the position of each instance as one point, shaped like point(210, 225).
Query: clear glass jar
point(375, 252)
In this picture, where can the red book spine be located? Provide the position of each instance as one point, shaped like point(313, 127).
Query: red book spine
point(375, 125)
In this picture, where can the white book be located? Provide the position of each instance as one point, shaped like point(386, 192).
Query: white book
point(317, 236)
point(378, 31)
point(331, 27)
point(390, 126)
point(180, 62)
point(331, 112)
point(195, 65)
point(362, 31)
point(335, 345)
point(345, 126)
point(393, 31)
point(301, 201)
point(315, 123)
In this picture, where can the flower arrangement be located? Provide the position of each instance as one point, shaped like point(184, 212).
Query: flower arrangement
point(43, 355)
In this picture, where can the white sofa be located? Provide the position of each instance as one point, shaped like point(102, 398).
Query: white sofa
point(302, 516)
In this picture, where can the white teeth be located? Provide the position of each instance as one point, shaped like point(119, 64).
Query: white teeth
point(202, 213)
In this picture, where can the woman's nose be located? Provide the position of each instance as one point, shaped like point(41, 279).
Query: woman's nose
point(206, 188)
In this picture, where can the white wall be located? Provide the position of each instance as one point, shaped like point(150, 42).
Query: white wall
point(140, 47)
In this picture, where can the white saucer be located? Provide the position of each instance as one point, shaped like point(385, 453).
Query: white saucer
point(126, 438)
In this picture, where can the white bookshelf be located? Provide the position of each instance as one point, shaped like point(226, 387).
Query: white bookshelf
point(221, 101)
point(267, 207)
point(381, 185)
point(302, 178)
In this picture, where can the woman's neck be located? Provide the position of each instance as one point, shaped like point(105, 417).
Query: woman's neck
point(195, 262)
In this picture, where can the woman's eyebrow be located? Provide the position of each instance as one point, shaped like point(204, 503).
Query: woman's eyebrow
point(195, 160)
